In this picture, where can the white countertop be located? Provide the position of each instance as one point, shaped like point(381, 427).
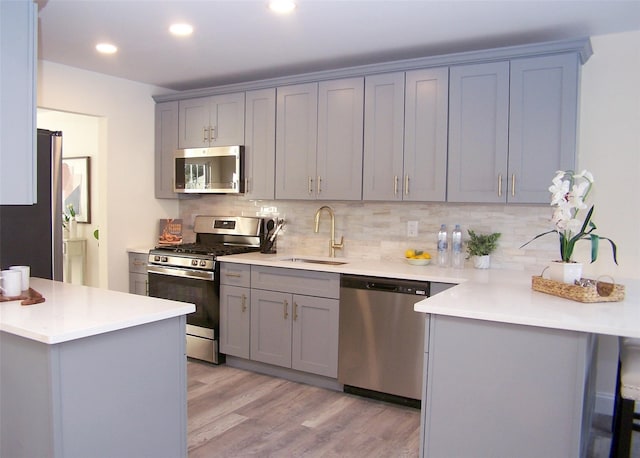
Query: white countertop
point(493, 295)
point(72, 312)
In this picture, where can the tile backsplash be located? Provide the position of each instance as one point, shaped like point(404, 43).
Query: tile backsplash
point(378, 230)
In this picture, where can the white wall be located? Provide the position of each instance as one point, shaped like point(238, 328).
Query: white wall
point(126, 207)
point(610, 148)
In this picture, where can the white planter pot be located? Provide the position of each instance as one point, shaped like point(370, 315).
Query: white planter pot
point(73, 229)
point(565, 272)
point(482, 262)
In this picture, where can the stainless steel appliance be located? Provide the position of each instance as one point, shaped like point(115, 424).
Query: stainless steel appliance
point(209, 170)
point(191, 273)
point(381, 347)
point(31, 235)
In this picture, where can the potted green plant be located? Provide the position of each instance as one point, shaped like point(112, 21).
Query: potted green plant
point(480, 247)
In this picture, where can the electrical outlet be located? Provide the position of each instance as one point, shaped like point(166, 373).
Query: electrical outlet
point(412, 228)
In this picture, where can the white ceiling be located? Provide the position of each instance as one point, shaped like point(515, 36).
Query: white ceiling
point(241, 40)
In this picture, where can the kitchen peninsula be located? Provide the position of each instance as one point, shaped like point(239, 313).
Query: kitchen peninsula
point(92, 372)
point(508, 371)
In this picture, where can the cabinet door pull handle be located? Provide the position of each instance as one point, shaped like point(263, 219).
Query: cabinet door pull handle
point(500, 185)
point(244, 303)
point(295, 311)
point(310, 185)
point(513, 185)
point(395, 185)
point(406, 184)
point(286, 309)
point(212, 133)
point(319, 184)
point(205, 137)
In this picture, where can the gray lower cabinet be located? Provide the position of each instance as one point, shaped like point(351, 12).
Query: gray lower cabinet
point(138, 277)
point(211, 121)
point(497, 389)
point(260, 143)
point(294, 319)
point(166, 142)
point(18, 67)
point(235, 309)
point(121, 393)
point(512, 124)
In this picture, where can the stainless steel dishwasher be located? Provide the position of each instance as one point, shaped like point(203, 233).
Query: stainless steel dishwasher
point(381, 346)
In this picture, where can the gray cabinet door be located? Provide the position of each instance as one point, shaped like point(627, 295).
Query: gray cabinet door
point(478, 132)
point(315, 335)
point(227, 120)
point(296, 141)
point(193, 128)
point(383, 137)
point(260, 144)
point(425, 135)
point(18, 54)
point(542, 124)
point(211, 121)
point(166, 142)
point(235, 320)
point(271, 327)
point(340, 124)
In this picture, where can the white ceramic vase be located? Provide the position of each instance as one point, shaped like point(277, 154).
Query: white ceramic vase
point(565, 272)
point(482, 262)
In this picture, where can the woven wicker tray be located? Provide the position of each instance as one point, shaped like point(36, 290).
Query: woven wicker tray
point(598, 292)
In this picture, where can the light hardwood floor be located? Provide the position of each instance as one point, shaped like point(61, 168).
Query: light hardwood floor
point(235, 413)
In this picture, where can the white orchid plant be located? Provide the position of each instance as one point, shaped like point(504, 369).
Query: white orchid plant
point(569, 191)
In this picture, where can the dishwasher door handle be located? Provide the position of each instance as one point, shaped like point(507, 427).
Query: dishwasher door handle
point(382, 287)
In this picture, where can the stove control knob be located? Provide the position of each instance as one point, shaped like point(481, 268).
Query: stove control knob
point(194, 262)
point(156, 258)
point(164, 259)
point(203, 263)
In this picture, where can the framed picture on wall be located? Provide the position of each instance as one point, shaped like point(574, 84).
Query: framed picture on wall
point(76, 187)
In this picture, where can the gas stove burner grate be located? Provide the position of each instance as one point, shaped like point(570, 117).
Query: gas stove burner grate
point(208, 250)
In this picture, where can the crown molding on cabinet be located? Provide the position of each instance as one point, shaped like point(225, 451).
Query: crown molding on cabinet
point(582, 46)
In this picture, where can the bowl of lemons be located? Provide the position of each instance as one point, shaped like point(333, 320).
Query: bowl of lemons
point(417, 257)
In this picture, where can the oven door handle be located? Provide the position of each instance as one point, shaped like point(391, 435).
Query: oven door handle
point(185, 273)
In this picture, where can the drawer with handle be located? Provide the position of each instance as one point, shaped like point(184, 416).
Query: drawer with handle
point(235, 274)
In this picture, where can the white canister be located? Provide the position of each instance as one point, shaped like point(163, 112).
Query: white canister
point(11, 283)
point(26, 273)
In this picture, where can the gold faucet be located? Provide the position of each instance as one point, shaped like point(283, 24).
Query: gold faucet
point(332, 243)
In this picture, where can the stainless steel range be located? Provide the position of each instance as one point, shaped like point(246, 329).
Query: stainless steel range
point(190, 273)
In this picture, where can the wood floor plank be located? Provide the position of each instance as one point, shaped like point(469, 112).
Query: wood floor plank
point(236, 413)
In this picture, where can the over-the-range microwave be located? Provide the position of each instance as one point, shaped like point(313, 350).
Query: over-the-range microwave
point(209, 170)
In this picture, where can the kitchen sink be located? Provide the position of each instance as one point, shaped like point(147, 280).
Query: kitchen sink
point(315, 261)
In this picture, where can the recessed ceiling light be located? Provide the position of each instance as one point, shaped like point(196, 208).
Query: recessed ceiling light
point(282, 6)
point(106, 48)
point(181, 30)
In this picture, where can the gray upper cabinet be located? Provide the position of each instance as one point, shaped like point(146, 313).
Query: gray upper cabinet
point(425, 135)
point(383, 137)
point(319, 140)
point(296, 141)
point(478, 132)
point(18, 51)
point(340, 125)
point(211, 121)
point(511, 126)
point(542, 124)
point(166, 142)
point(260, 144)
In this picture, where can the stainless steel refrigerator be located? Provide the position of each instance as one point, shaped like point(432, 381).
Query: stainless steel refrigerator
point(32, 234)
